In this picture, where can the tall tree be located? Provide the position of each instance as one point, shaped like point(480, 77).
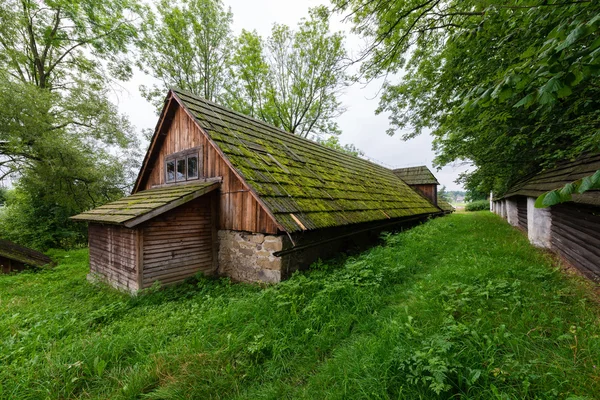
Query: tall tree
point(294, 78)
point(59, 134)
point(187, 45)
point(511, 86)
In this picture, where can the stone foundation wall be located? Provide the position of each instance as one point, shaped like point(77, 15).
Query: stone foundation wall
point(248, 257)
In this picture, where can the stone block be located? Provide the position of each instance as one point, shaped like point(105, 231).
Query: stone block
point(257, 238)
point(273, 244)
point(269, 276)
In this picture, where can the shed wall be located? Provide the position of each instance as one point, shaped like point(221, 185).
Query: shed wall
point(180, 243)
point(7, 265)
point(522, 212)
point(239, 210)
point(576, 236)
point(429, 191)
point(113, 255)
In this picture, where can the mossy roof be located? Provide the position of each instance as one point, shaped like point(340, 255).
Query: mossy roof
point(23, 254)
point(303, 184)
point(444, 205)
point(558, 177)
point(142, 206)
point(416, 175)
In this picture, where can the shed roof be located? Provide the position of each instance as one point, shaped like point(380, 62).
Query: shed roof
point(142, 206)
point(23, 254)
point(444, 205)
point(558, 177)
point(416, 175)
point(303, 184)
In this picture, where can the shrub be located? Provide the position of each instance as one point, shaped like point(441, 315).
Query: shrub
point(478, 205)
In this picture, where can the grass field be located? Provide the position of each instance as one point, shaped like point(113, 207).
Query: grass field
point(460, 307)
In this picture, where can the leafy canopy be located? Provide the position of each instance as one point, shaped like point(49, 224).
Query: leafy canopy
point(60, 136)
point(512, 86)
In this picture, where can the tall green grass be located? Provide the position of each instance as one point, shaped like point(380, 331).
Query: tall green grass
point(460, 307)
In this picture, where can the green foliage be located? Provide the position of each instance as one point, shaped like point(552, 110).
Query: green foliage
point(291, 80)
point(565, 193)
point(443, 194)
point(511, 86)
point(59, 134)
point(461, 306)
point(477, 205)
point(186, 45)
point(333, 142)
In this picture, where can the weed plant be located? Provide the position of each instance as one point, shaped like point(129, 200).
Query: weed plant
point(459, 307)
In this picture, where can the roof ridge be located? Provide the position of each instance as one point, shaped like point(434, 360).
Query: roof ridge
point(272, 127)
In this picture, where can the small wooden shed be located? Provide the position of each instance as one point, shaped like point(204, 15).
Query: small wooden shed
point(420, 179)
point(571, 229)
point(14, 257)
point(222, 193)
point(166, 233)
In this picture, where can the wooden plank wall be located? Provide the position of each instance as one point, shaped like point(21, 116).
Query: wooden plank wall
point(576, 236)
point(113, 254)
point(522, 212)
point(7, 265)
point(239, 210)
point(429, 191)
point(179, 243)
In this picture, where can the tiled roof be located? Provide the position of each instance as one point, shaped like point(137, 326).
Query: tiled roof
point(22, 254)
point(142, 206)
point(558, 177)
point(303, 184)
point(444, 205)
point(416, 175)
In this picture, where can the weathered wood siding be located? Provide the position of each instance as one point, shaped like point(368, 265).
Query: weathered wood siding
point(522, 212)
point(429, 191)
point(239, 210)
point(113, 255)
point(576, 236)
point(7, 265)
point(180, 243)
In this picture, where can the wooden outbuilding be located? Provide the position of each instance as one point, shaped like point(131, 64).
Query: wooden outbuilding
point(424, 182)
point(224, 194)
point(14, 257)
point(421, 179)
point(571, 229)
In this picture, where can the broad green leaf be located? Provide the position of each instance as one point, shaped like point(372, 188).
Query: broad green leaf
point(551, 198)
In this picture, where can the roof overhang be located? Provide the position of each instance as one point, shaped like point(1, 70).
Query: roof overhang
point(142, 206)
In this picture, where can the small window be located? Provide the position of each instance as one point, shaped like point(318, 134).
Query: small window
point(184, 165)
point(181, 170)
point(192, 167)
point(171, 171)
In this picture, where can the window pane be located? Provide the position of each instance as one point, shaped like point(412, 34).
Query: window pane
point(192, 167)
point(181, 170)
point(171, 171)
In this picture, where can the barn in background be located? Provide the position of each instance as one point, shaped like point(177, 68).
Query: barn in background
point(420, 179)
point(224, 194)
point(571, 229)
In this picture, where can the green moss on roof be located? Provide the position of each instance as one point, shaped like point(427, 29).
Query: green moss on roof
point(558, 177)
point(445, 206)
point(416, 175)
point(298, 178)
point(23, 254)
point(133, 207)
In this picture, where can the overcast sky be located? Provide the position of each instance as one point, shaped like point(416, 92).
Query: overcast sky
point(359, 124)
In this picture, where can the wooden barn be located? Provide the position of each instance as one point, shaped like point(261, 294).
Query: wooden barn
point(14, 258)
point(421, 179)
point(571, 229)
point(224, 194)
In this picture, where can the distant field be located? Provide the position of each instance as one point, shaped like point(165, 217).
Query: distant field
point(460, 307)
